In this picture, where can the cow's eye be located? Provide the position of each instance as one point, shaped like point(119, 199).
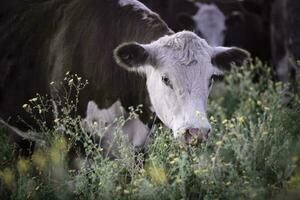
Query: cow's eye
point(211, 81)
point(167, 81)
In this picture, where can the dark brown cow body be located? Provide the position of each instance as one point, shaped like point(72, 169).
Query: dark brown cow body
point(285, 22)
point(47, 38)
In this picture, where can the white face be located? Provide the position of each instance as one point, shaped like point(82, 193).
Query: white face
point(179, 74)
point(210, 22)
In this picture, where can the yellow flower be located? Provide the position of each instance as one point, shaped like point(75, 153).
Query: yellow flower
point(213, 159)
point(258, 102)
point(175, 160)
point(201, 171)
point(157, 174)
point(224, 121)
point(178, 179)
point(294, 182)
point(23, 166)
point(240, 119)
point(228, 183)
point(230, 125)
point(55, 156)
point(265, 133)
point(7, 177)
point(39, 159)
point(219, 143)
point(118, 188)
point(33, 99)
point(266, 108)
point(295, 158)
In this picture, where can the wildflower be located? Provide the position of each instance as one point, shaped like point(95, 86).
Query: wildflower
point(175, 160)
point(228, 183)
point(52, 83)
point(240, 119)
point(23, 166)
point(33, 99)
point(126, 191)
point(294, 182)
point(115, 165)
point(266, 108)
point(230, 125)
point(67, 73)
point(295, 159)
point(157, 174)
point(171, 155)
point(264, 133)
point(224, 121)
point(258, 102)
point(200, 171)
point(142, 171)
point(219, 143)
point(25, 106)
point(39, 159)
point(213, 159)
point(7, 177)
point(178, 179)
point(71, 81)
point(56, 120)
point(118, 188)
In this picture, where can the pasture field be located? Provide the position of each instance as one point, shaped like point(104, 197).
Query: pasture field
point(253, 153)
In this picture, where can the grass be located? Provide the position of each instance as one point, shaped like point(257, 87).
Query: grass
point(253, 153)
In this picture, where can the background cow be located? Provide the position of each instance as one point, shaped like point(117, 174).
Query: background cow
point(205, 19)
point(286, 41)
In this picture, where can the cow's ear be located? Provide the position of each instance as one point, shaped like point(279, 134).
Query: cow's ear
point(131, 56)
point(223, 57)
point(185, 21)
point(234, 19)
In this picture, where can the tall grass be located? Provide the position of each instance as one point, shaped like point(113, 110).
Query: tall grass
point(253, 152)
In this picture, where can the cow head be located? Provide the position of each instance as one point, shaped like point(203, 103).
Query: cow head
point(208, 22)
point(179, 70)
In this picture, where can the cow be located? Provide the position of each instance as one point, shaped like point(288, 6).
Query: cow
point(125, 50)
point(285, 41)
point(204, 19)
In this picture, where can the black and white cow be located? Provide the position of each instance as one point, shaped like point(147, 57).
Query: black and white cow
point(172, 72)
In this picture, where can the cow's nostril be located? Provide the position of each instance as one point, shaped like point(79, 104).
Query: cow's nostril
point(194, 131)
point(189, 138)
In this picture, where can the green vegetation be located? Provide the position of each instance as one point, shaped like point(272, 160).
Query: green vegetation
point(253, 153)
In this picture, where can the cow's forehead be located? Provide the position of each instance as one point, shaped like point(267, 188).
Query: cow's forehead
point(183, 49)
